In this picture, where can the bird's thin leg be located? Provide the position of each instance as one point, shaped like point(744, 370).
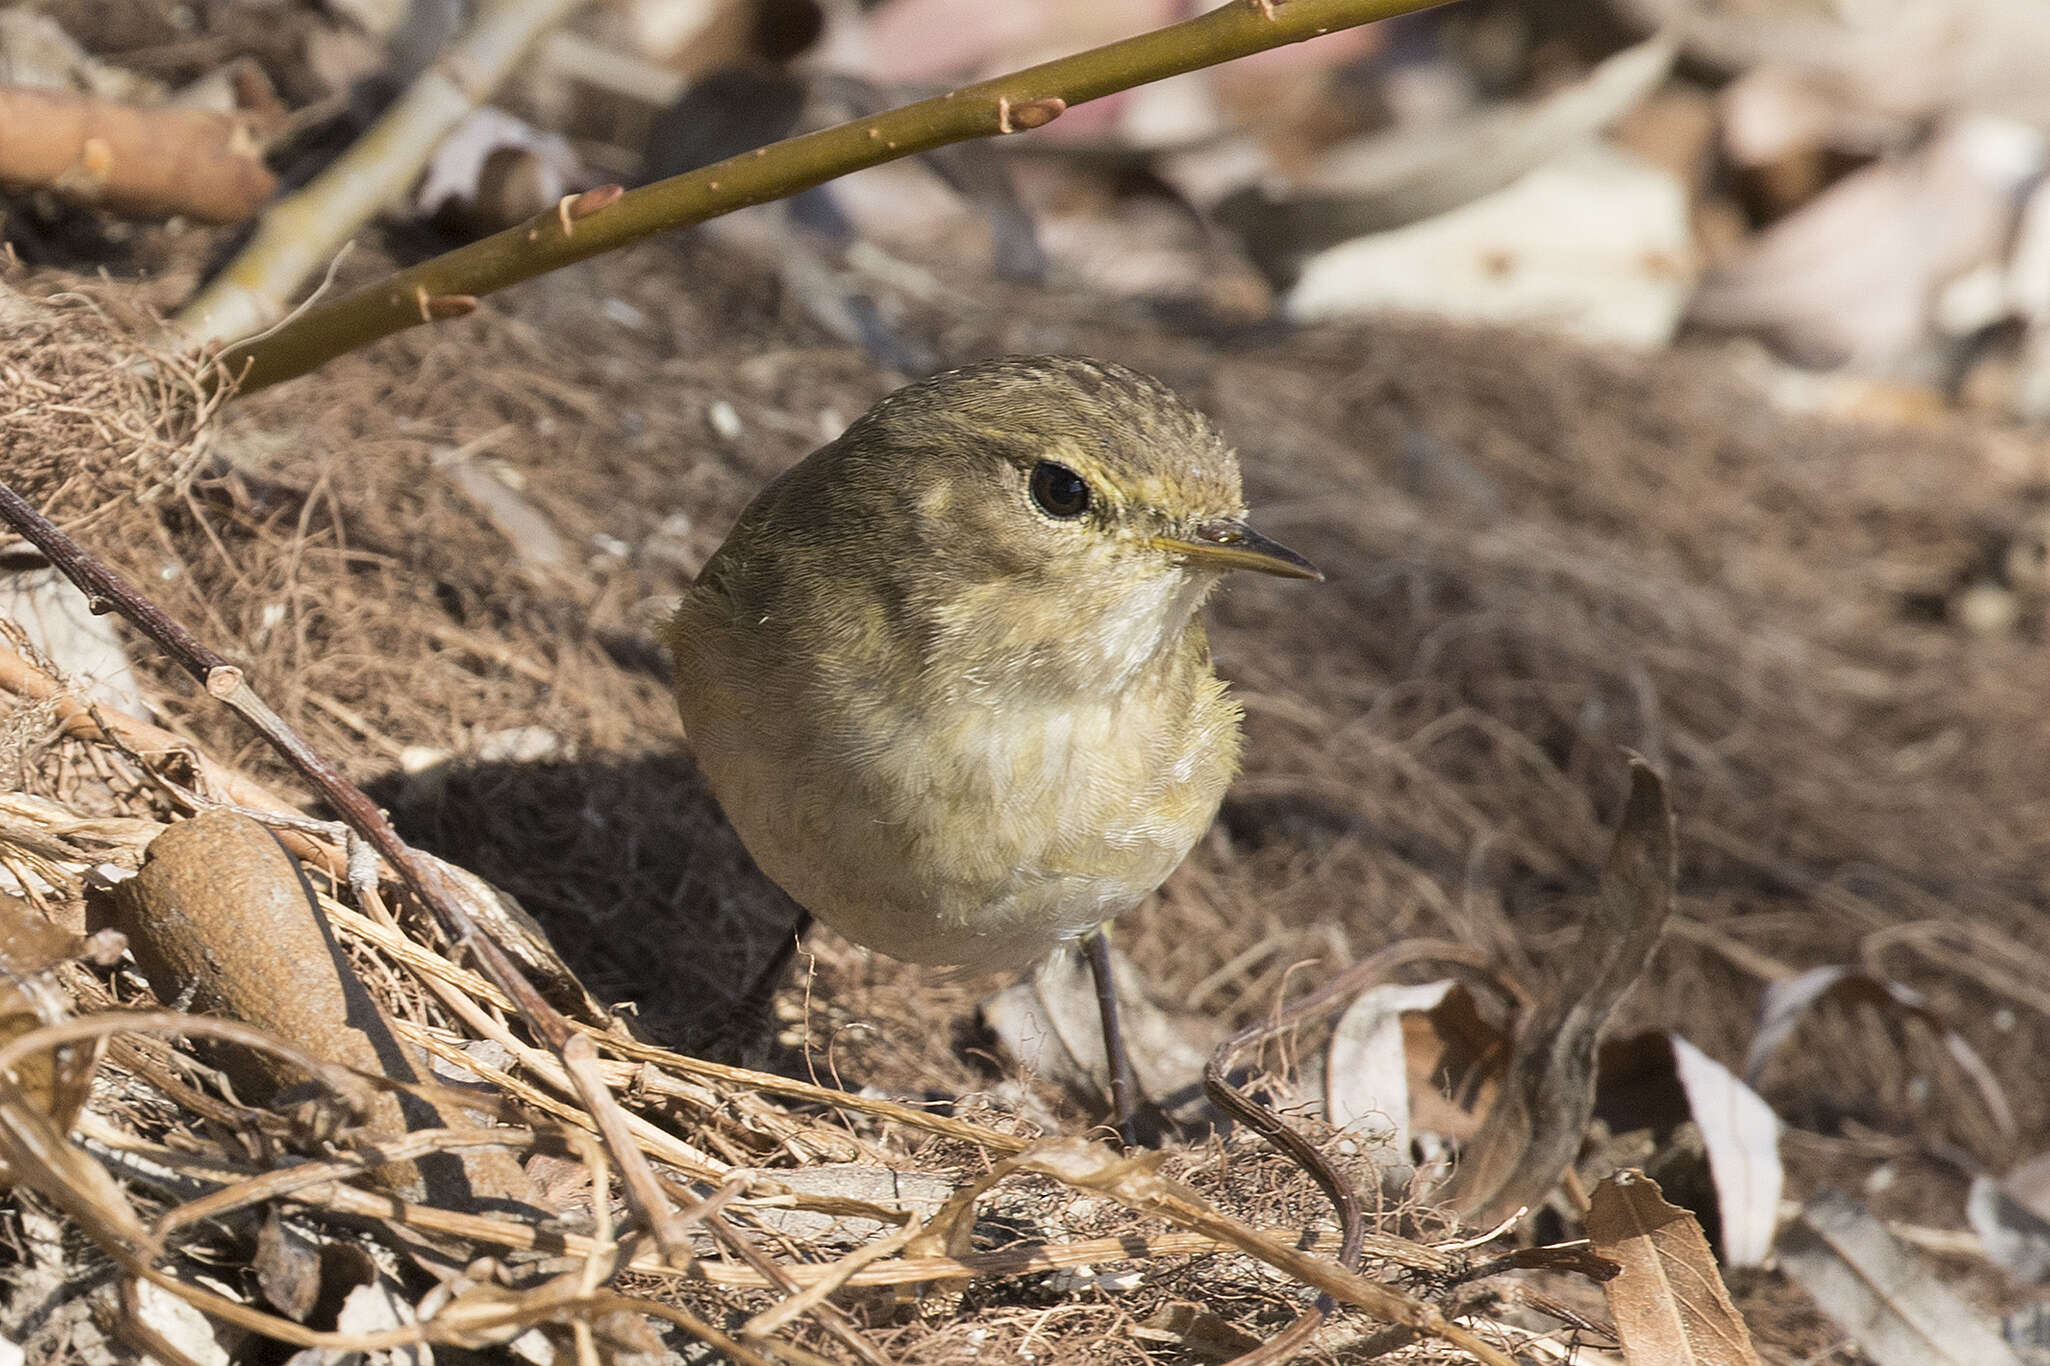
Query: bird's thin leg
point(1124, 1086)
point(763, 988)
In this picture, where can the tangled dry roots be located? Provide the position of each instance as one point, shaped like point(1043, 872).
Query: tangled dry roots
point(89, 415)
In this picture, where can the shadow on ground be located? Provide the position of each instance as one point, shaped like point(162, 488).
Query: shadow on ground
point(633, 874)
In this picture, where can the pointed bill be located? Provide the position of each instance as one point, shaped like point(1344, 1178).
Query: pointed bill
point(1230, 544)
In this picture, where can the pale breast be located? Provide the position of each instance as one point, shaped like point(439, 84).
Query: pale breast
point(971, 834)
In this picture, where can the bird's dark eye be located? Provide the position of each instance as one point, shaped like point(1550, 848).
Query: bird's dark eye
point(1059, 491)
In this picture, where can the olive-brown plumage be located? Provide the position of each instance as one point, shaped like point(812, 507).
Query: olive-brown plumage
point(947, 675)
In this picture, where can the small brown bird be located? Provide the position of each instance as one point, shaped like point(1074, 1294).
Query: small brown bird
point(947, 675)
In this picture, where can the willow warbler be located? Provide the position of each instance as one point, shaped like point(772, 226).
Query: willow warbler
point(947, 675)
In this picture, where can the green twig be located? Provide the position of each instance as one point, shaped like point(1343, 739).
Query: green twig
point(597, 221)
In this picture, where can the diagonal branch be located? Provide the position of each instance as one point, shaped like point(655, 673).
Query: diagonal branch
point(597, 221)
point(106, 591)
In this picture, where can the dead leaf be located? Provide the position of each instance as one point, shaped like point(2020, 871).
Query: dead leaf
point(1367, 1067)
point(1890, 1301)
point(1196, 1331)
point(1393, 180)
point(1655, 1082)
point(36, 51)
point(287, 1266)
point(2027, 1330)
point(1535, 1128)
point(926, 40)
point(1902, 59)
point(1452, 1058)
point(85, 649)
point(2029, 1183)
point(1787, 1001)
point(494, 170)
point(1742, 1136)
point(848, 1204)
point(2012, 1218)
point(1669, 1303)
point(180, 1325)
point(537, 547)
point(56, 1081)
point(1771, 113)
point(374, 1308)
point(1852, 278)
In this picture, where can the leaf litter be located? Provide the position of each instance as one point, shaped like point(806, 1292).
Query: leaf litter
point(1654, 560)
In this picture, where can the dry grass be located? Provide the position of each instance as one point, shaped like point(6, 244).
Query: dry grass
point(86, 410)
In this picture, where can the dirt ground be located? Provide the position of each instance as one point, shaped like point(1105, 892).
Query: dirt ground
point(1537, 556)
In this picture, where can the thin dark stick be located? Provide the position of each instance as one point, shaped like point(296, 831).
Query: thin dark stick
point(1272, 1127)
point(761, 992)
point(1124, 1083)
point(107, 591)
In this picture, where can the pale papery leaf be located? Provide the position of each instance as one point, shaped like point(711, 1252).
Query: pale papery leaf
point(1851, 278)
point(1388, 181)
point(455, 174)
point(1366, 1069)
point(1051, 1025)
point(85, 649)
point(2014, 1237)
point(931, 40)
point(1741, 1134)
point(1882, 1294)
point(181, 1325)
point(2029, 1182)
point(1902, 59)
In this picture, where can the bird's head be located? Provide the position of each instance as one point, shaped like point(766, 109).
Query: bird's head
point(1048, 516)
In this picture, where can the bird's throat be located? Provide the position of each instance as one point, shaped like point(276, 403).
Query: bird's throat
point(1119, 646)
point(1059, 648)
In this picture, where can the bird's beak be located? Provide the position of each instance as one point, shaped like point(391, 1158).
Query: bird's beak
point(1229, 544)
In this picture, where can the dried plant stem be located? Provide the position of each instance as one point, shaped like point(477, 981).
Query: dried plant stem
point(309, 1180)
point(811, 1300)
point(789, 1088)
point(325, 1188)
point(830, 1279)
point(84, 720)
point(107, 591)
point(1137, 1184)
point(1270, 1126)
point(597, 221)
point(300, 232)
point(646, 1136)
